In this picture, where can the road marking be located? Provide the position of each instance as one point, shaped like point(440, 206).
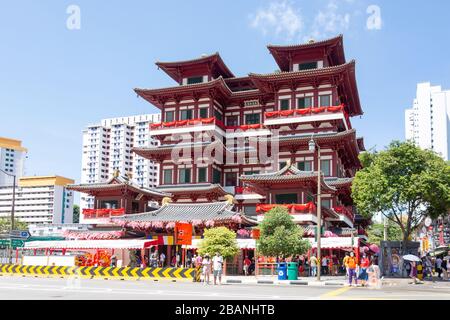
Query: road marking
point(335, 293)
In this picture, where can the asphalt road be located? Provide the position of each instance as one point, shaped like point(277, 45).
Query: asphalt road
point(30, 288)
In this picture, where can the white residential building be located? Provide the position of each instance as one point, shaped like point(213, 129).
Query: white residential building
point(107, 148)
point(427, 123)
point(39, 200)
point(12, 157)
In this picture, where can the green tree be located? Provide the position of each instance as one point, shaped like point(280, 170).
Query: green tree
point(376, 232)
point(5, 225)
point(220, 240)
point(76, 213)
point(280, 236)
point(404, 183)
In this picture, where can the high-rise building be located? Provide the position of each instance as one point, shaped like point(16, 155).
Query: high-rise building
point(107, 148)
point(12, 156)
point(427, 123)
point(39, 200)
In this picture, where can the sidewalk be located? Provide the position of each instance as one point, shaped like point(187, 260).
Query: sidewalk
point(273, 280)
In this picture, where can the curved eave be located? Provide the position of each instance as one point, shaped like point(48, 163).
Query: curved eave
point(95, 188)
point(281, 52)
point(172, 68)
point(346, 70)
point(193, 189)
point(155, 152)
point(158, 97)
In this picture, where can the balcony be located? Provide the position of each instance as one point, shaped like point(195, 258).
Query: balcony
point(183, 126)
point(102, 213)
point(246, 193)
point(345, 214)
point(284, 117)
point(302, 213)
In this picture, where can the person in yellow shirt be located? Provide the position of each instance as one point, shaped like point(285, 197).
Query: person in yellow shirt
point(344, 263)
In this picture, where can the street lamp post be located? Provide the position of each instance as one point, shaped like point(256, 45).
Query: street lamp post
point(312, 147)
point(12, 208)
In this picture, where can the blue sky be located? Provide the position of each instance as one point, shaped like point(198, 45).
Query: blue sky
point(55, 81)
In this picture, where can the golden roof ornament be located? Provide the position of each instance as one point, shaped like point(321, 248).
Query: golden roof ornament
point(166, 200)
point(116, 173)
point(229, 198)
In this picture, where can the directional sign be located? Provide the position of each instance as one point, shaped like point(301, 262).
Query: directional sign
point(4, 242)
point(19, 234)
point(17, 243)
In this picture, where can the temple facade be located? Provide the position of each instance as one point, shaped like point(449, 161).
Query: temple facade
point(248, 136)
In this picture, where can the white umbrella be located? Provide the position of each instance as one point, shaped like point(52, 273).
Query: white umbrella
point(411, 257)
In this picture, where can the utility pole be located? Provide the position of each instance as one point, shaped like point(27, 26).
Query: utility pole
point(12, 209)
point(385, 222)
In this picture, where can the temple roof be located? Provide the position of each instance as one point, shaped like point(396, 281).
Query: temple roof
point(192, 188)
point(172, 212)
point(116, 183)
point(152, 152)
point(284, 53)
point(288, 173)
point(213, 62)
point(339, 182)
point(264, 82)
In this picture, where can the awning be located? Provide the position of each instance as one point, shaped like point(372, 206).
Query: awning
point(92, 244)
point(335, 243)
point(242, 243)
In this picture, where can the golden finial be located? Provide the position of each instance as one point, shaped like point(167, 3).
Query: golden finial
point(166, 200)
point(116, 173)
point(229, 198)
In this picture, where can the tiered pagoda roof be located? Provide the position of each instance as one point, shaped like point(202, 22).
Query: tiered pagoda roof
point(175, 212)
point(199, 189)
point(118, 183)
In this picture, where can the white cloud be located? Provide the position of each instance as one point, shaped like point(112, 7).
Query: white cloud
point(280, 18)
point(330, 21)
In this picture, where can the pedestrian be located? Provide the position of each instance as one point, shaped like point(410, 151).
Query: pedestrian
point(113, 261)
point(413, 273)
point(444, 269)
point(374, 274)
point(344, 264)
point(192, 262)
point(217, 265)
point(206, 269)
point(324, 265)
point(438, 266)
point(363, 276)
point(313, 264)
point(251, 268)
point(352, 264)
point(198, 261)
point(247, 263)
point(178, 260)
point(428, 267)
point(162, 260)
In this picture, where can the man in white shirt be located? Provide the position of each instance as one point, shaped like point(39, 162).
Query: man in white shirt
point(162, 259)
point(217, 267)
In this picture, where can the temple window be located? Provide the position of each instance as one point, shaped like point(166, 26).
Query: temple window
point(232, 121)
point(282, 164)
point(194, 80)
point(185, 114)
point(253, 118)
point(167, 176)
point(217, 176)
point(230, 179)
point(217, 115)
point(287, 198)
point(305, 102)
point(326, 203)
point(307, 65)
point(304, 165)
point(184, 175)
point(109, 204)
point(169, 116)
point(203, 113)
point(201, 177)
point(284, 104)
point(326, 167)
point(324, 100)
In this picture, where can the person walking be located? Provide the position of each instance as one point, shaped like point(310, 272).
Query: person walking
point(313, 264)
point(206, 269)
point(438, 265)
point(324, 265)
point(444, 269)
point(413, 273)
point(217, 266)
point(428, 267)
point(178, 260)
point(363, 276)
point(247, 263)
point(344, 264)
point(162, 260)
point(352, 264)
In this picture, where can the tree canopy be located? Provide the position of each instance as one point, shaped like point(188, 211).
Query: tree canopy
point(376, 232)
point(221, 240)
point(404, 183)
point(5, 225)
point(76, 213)
point(280, 236)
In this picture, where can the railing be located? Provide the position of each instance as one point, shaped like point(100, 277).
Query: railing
point(203, 121)
point(306, 112)
point(309, 207)
point(243, 190)
point(102, 213)
point(345, 211)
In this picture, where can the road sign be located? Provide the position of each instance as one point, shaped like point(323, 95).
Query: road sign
point(17, 243)
point(4, 242)
point(19, 234)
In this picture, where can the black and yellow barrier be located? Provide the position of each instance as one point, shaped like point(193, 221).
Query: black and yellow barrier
point(100, 272)
point(197, 274)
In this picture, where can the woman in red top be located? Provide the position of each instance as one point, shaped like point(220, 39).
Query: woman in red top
point(363, 275)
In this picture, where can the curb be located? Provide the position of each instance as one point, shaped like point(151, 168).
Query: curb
point(285, 283)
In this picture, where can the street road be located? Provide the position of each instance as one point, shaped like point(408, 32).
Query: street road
point(29, 288)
